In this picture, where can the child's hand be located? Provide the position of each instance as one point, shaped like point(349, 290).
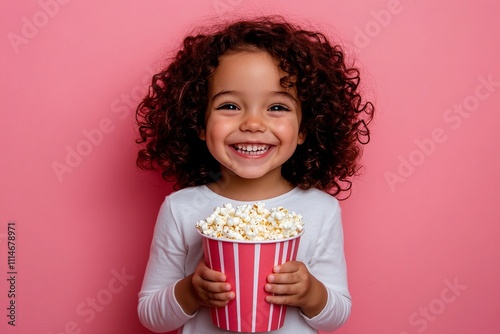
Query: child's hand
point(210, 286)
point(293, 285)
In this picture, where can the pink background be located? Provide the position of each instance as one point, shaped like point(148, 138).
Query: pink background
point(421, 227)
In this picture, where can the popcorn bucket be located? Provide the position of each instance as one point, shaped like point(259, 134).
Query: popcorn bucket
point(247, 265)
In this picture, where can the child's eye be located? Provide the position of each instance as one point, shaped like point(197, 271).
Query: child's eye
point(227, 106)
point(278, 107)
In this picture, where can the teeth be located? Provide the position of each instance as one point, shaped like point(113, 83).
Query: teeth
point(252, 148)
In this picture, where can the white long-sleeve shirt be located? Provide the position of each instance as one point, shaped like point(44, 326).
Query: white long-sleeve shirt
point(176, 250)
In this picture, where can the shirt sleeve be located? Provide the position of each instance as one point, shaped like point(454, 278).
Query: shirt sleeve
point(158, 309)
point(329, 267)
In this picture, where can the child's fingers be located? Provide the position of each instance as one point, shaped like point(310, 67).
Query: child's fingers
point(282, 289)
point(219, 300)
point(208, 274)
point(288, 283)
point(210, 281)
point(210, 286)
point(286, 278)
point(218, 295)
point(212, 293)
point(281, 300)
point(222, 297)
point(288, 267)
point(214, 288)
point(212, 275)
point(288, 273)
point(285, 294)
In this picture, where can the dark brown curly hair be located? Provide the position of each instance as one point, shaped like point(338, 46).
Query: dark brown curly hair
point(334, 117)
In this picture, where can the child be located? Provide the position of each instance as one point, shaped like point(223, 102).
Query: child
point(257, 110)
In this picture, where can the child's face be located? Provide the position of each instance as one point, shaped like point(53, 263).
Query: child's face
point(252, 122)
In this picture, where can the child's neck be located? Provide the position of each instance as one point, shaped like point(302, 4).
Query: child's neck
point(240, 189)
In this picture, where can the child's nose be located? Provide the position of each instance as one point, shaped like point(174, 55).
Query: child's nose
point(253, 122)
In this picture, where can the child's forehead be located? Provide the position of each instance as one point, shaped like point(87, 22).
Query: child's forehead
point(247, 64)
point(251, 74)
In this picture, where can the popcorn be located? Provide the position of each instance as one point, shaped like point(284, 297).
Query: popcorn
point(251, 222)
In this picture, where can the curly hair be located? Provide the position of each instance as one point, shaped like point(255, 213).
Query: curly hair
point(334, 117)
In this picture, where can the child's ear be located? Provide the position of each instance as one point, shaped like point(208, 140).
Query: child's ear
point(202, 134)
point(302, 138)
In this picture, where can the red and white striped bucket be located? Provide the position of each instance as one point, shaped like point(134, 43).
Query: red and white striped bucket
point(247, 265)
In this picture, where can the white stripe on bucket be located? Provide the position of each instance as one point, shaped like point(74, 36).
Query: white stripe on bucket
point(283, 260)
point(271, 308)
point(237, 282)
point(256, 265)
point(222, 269)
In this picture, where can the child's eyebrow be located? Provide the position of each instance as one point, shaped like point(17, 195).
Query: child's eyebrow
point(224, 92)
point(286, 95)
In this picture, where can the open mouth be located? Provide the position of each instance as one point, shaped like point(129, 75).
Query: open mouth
point(251, 149)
